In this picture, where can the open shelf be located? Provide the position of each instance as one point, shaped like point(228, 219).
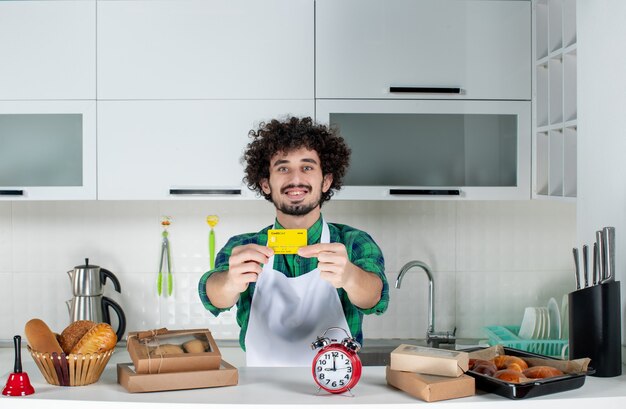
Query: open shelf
point(569, 87)
point(555, 99)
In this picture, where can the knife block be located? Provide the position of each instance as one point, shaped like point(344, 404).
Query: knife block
point(595, 327)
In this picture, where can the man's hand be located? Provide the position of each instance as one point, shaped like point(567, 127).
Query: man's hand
point(333, 262)
point(245, 266)
point(363, 288)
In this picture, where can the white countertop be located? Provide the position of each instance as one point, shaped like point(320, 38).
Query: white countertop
point(286, 387)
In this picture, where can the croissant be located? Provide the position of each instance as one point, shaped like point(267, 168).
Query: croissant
point(505, 361)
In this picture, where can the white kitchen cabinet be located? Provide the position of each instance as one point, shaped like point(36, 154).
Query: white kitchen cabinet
point(555, 126)
point(48, 150)
point(427, 49)
point(206, 49)
point(433, 149)
point(157, 150)
point(48, 50)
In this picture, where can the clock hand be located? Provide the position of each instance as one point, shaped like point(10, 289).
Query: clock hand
point(334, 363)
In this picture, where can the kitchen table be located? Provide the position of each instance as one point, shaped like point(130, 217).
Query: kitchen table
point(261, 388)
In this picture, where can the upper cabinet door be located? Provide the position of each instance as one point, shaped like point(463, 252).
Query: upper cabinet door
point(48, 50)
point(427, 49)
point(206, 49)
point(47, 150)
point(157, 150)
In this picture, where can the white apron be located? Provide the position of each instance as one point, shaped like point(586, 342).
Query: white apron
point(288, 313)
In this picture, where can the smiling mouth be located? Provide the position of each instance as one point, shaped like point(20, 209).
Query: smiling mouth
point(295, 192)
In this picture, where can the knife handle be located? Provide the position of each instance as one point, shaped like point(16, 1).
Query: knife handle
point(601, 255)
point(586, 264)
point(608, 234)
point(576, 267)
point(596, 277)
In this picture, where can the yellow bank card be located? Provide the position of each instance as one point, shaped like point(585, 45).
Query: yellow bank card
point(286, 241)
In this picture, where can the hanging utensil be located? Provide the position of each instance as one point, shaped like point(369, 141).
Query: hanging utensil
point(165, 256)
point(212, 222)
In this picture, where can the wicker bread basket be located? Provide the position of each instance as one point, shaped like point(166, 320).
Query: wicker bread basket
point(72, 369)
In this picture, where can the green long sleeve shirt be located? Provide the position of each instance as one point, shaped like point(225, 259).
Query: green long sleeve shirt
point(362, 252)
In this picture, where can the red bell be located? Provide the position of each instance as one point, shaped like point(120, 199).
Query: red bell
point(18, 383)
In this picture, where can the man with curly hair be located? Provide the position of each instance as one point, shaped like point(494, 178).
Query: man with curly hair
point(284, 301)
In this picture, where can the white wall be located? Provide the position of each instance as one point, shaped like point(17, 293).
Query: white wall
point(601, 130)
point(490, 259)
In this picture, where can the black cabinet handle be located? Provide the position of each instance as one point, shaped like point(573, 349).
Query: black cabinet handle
point(205, 191)
point(425, 192)
point(11, 193)
point(426, 90)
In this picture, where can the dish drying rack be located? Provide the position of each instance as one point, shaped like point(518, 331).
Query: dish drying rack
point(507, 336)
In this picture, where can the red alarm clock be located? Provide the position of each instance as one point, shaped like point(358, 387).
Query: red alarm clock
point(336, 367)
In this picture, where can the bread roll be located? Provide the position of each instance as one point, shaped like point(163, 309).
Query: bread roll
point(99, 338)
point(194, 346)
point(508, 375)
point(73, 333)
point(40, 337)
point(166, 349)
point(542, 372)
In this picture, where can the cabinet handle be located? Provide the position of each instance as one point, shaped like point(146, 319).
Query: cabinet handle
point(205, 191)
point(427, 90)
point(11, 193)
point(425, 192)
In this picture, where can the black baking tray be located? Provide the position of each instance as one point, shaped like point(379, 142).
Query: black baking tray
point(529, 389)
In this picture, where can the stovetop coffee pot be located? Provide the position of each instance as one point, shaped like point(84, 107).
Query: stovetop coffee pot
point(88, 303)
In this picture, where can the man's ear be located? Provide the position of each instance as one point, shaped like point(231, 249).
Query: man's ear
point(328, 181)
point(265, 186)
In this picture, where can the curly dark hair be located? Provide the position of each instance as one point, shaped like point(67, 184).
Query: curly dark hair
point(291, 134)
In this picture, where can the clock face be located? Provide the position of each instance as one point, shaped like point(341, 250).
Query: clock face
point(335, 369)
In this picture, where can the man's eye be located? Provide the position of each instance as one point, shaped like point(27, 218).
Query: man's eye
point(282, 169)
point(307, 168)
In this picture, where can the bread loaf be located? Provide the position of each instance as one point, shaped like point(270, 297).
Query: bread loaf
point(40, 337)
point(99, 338)
point(73, 333)
point(542, 372)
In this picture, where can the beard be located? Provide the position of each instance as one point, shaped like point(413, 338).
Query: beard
point(299, 209)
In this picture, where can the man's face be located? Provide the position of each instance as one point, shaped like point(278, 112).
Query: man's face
point(296, 182)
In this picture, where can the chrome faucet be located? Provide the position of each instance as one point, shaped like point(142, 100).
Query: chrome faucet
point(432, 338)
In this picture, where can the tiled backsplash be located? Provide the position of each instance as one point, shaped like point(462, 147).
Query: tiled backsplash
point(490, 259)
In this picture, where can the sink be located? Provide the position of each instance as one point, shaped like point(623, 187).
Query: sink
point(376, 352)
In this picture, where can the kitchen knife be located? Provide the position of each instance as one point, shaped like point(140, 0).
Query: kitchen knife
point(601, 258)
point(608, 234)
point(576, 267)
point(596, 271)
point(586, 264)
